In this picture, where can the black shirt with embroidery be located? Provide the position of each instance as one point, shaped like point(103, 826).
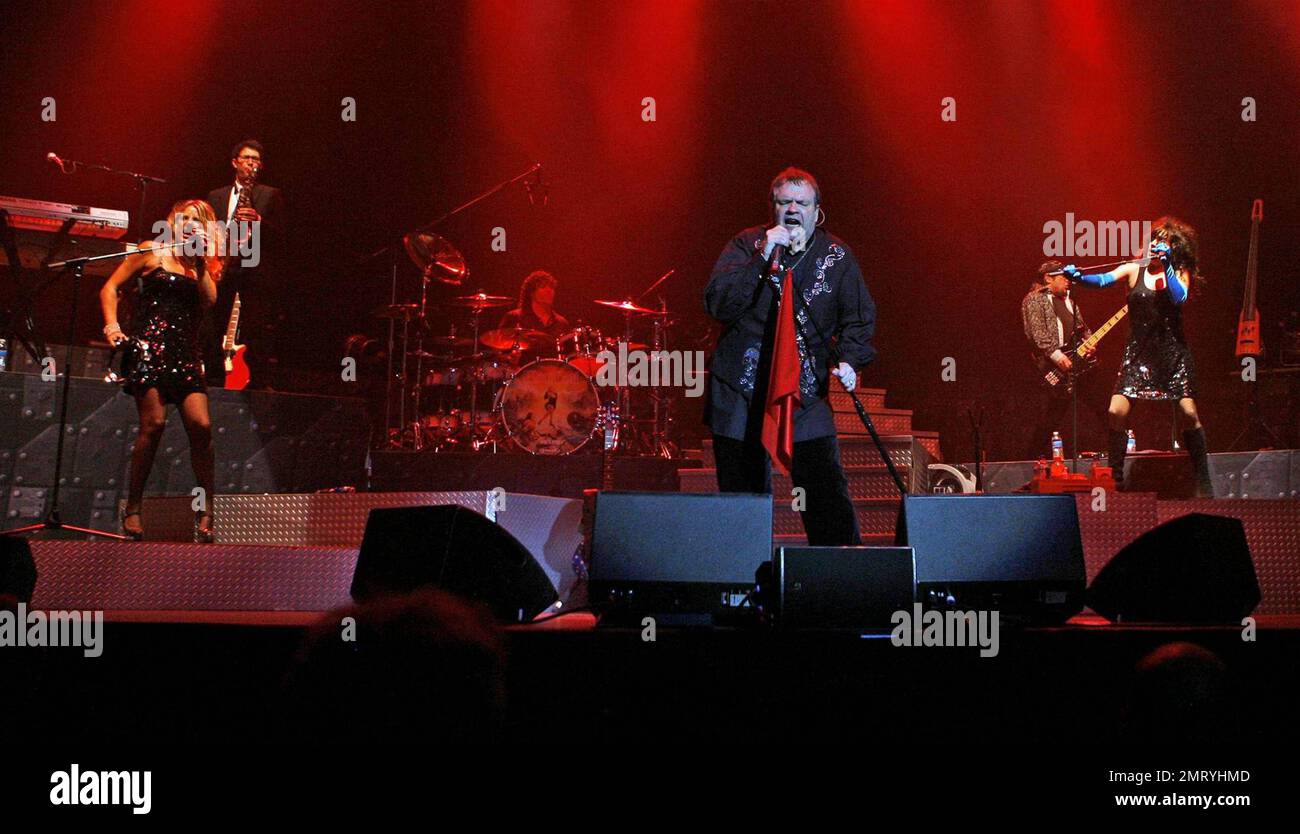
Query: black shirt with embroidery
point(839, 311)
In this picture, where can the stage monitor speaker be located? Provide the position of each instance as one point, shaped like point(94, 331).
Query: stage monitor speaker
point(453, 548)
point(683, 558)
point(842, 587)
point(17, 568)
point(1020, 555)
point(1167, 474)
point(1193, 569)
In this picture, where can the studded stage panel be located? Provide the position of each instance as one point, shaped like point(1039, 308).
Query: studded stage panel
point(1273, 533)
point(549, 527)
point(190, 577)
point(1254, 475)
point(265, 442)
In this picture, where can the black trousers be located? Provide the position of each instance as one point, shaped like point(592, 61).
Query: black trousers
point(1054, 412)
point(259, 328)
point(828, 516)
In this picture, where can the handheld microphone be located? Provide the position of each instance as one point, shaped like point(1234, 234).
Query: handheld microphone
point(53, 157)
point(778, 255)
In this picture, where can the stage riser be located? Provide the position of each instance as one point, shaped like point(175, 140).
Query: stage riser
point(849, 424)
point(875, 517)
point(872, 399)
point(145, 575)
point(264, 442)
point(908, 451)
point(864, 482)
point(550, 528)
point(564, 476)
point(1249, 475)
point(99, 575)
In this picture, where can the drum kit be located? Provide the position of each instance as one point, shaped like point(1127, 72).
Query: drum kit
point(513, 388)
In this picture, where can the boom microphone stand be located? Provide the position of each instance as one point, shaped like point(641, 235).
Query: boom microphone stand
point(53, 521)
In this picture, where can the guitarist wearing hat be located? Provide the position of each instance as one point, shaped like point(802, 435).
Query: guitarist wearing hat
point(1055, 328)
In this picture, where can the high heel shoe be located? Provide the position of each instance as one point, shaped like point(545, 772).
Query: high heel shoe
point(203, 527)
point(136, 533)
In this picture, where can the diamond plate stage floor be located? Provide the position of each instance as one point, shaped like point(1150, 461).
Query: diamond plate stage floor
point(297, 552)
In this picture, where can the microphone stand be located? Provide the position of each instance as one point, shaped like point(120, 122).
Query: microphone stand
point(141, 183)
point(53, 521)
point(1074, 388)
point(835, 357)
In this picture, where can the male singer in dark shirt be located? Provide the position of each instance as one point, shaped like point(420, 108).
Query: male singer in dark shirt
point(259, 316)
point(838, 308)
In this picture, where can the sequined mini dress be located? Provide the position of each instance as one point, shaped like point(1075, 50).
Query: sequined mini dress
point(1157, 363)
point(167, 326)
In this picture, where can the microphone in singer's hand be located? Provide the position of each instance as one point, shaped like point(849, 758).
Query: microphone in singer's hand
point(778, 254)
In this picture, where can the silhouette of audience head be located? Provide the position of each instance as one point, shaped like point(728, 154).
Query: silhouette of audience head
point(422, 667)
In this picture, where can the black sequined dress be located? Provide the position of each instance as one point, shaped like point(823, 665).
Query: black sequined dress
point(1157, 363)
point(167, 323)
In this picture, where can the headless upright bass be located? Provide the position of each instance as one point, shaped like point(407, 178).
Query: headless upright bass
point(1248, 338)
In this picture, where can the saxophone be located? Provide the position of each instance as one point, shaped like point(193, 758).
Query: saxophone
point(245, 200)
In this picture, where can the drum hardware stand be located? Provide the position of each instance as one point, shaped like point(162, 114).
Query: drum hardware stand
point(392, 248)
point(659, 414)
point(977, 423)
point(388, 387)
point(1256, 427)
point(474, 378)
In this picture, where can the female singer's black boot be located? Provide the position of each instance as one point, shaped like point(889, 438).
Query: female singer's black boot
point(1194, 441)
point(1115, 455)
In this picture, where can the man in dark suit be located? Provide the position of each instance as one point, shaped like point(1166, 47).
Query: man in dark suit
point(260, 319)
point(837, 307)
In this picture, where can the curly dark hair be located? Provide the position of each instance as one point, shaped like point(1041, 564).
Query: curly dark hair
point(537, 278)
point(1183, 244)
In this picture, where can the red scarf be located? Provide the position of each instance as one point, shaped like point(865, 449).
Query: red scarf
point(782, 384)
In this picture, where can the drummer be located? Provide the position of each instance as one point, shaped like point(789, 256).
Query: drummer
point(536, 310)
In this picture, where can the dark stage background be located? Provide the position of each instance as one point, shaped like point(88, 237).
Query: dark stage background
point(1112, 111)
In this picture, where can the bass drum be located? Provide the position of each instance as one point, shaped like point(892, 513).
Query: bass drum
point(549, 408)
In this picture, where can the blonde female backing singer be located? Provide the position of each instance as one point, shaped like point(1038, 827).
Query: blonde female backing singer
point(166, 365)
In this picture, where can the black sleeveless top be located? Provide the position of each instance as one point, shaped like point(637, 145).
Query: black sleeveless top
point(167, 323)
point(1157, 363)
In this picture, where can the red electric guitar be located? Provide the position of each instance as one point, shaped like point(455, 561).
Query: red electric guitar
point(236, 364)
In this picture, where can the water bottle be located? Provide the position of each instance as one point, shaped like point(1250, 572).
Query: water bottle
point(1132, 443)
point(1058, 446)
point(4, 355)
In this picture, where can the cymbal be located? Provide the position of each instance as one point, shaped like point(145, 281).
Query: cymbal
point(436, 258)
point(405, 312)
point(629, 307)
point(451, 341)
point(433, 357)
point(481, 301)
point(507, 338)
